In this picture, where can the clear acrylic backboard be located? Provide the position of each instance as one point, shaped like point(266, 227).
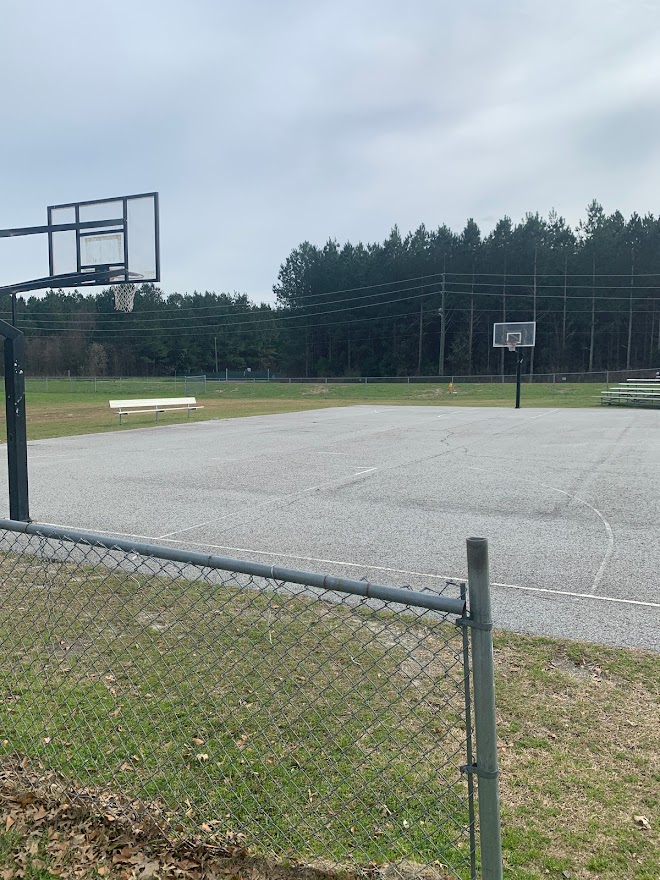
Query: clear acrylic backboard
point(111, 241)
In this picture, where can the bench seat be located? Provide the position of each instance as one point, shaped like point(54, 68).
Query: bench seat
point(154, 405)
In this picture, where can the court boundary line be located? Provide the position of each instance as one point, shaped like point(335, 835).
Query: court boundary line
point(568, 594)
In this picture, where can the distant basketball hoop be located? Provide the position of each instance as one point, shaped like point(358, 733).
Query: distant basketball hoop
point(516, 336)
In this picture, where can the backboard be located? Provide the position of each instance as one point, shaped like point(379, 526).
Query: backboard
point(107, 241)
point(522, 333)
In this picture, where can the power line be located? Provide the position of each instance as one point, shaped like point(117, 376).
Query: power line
point(261, 320)
point(496, 276)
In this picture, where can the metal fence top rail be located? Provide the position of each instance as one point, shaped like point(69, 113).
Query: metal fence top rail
point(368, 590)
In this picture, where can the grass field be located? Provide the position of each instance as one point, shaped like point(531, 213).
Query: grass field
point(578, 727)
point(137, 692)
point(64, 408)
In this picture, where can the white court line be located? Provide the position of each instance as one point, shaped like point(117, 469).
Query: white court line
point(252, 461)
point(578, 595)
point(540, 416)
point(283, 499)
point(608, 527)
point(361, 565)
point(610, 536)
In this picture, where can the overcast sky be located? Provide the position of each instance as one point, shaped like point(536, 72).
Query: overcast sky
point(263, 123)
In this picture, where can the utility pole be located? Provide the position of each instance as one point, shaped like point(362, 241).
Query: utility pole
point(421, 330)
point(563, 325)
point(531, 354)
point(503, 315)
point(630, 310)
point(443, 322)
point(471, 330)
point(593, 315)
point(215, 342)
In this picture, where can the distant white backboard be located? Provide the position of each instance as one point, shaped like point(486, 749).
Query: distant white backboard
point(519, 334)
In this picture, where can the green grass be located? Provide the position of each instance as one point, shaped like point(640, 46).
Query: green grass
point(578, 734)
point(318, 738)
point(289, 725)
point(69, 408)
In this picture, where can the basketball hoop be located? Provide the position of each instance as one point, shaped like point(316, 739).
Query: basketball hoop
point(124, 297)
point(513, 344)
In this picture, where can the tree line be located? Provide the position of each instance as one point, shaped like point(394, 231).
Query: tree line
point(423, 303)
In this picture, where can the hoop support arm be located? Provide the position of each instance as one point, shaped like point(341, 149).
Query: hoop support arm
point(58, 227)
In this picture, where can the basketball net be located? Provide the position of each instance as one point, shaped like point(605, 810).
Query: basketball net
point(513, 345)
point(124, 295)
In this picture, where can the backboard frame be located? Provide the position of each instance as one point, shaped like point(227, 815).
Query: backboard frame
point(525, 331)
point(110, 233)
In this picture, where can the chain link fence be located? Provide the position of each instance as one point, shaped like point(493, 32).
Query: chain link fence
point(107, 385)
point(294, 715)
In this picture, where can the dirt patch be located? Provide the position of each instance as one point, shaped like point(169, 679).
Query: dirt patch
point(317, 389)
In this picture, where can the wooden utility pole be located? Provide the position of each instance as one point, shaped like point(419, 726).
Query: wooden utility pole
point(531, 354)
point(471, 327)
point(630, 308)
point(421, 331)
point(593, 315)
point(563, 324)
point(503, 316)
point(443, 322)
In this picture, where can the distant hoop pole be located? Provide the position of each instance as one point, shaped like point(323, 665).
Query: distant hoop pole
point(518, 368)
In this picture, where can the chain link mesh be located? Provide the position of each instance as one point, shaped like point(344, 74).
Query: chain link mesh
point(294, 722)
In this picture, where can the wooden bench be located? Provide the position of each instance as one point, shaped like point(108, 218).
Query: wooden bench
point(154, 405)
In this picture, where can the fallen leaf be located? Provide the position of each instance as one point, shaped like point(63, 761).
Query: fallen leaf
point(198, 741)
point(643, 822)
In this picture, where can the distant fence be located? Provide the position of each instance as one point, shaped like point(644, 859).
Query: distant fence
point(129, 384)
point(293, 715)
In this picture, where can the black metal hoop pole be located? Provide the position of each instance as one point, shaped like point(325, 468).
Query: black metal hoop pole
point(518, 366)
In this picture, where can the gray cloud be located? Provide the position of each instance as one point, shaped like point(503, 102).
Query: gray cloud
point(263, 124)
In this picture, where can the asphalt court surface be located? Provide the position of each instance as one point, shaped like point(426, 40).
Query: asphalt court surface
point(569, 500)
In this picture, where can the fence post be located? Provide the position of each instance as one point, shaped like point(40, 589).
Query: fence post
point(481, 635)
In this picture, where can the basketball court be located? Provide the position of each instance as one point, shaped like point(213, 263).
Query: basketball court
point(569, 500)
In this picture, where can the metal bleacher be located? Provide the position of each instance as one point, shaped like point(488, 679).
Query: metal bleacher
point(634, 392)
